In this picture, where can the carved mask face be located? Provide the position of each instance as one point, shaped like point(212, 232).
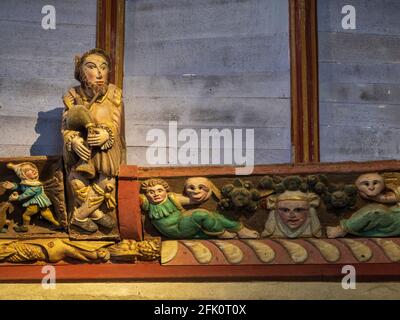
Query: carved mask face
point(95, 72)
point(156, 194)
point(198, 189)
point(370, 184)
point(293, 213)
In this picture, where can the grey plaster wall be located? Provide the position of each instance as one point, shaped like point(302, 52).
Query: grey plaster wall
point(359, 81)
point(208, 64)
point(36, 69)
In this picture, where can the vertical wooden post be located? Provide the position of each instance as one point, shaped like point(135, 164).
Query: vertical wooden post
point(129, 212)
point(110, 35)
point(304, 80)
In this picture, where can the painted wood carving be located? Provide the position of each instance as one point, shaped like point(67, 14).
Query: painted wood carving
point(289, 219)
point(93, 147)
point(166, 211)
point(65, 250)
point(39, 221)
point(32, 198)
point(279, 215)
point(285, 207)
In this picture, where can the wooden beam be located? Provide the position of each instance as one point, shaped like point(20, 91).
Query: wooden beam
point(304, 80)
point(129, 212)
point(130, 172)
point(110, 35)
point(155, 272)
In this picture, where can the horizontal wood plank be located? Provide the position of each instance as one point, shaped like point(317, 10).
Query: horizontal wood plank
point(172, 20)
point(200, 56)
point(139, 156)
point(208, 111)
point(262, 84)
point(362, 48)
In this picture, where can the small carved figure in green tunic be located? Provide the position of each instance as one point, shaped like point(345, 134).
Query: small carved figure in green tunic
point(32, 194)
point(166, 212)
point(374, 219)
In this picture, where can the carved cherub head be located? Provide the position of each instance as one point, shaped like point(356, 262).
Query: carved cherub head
point(293, 214)
point(155, 190)
point(26, 171)
point(370, 184)
point(92, 71)
point(200, 189)
point(293, 207)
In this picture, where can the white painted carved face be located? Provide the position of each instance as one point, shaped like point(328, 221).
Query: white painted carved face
point(293, 213)
point(370, 184)
point(156, 194)
point(95, 72)
point(198, 189)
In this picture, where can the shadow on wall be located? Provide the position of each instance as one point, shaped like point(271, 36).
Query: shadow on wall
point(48, 126)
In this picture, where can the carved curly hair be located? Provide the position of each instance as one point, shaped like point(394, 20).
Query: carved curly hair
point(152, 183)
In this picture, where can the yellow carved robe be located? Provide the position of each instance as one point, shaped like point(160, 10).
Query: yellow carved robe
point(106, 112)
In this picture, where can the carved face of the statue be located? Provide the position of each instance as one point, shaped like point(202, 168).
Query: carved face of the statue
point(293, 213)
point(156, 194)
point(197, 189)
point(370, 184)
point(95, 72)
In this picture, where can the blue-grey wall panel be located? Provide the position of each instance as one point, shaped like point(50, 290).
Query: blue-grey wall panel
point(36, 69)
point(359, 81)
point(208, 64)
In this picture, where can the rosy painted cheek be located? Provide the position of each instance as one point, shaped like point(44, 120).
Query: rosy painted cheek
point(91, 76)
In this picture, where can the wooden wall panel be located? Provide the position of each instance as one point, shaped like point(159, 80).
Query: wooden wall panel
point(203, 63)
point(359, 83)
point(36, 69)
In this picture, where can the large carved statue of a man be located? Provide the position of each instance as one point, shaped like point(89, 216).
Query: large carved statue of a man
point(93, 145)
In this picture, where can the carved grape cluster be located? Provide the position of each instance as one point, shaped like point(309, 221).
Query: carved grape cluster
point(335, 196)
point(240, 195)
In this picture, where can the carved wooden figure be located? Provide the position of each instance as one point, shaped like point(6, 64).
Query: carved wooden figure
point(56, 250)
point(167, 213)
point(30, 191)
point(200, 189)
point(374, 219)
point(93, 147)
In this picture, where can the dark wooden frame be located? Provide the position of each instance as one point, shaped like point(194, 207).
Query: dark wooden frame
point(304, 81)
point(110, 35)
